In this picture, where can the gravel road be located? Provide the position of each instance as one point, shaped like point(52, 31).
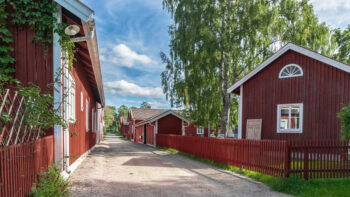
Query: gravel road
point(122, 168)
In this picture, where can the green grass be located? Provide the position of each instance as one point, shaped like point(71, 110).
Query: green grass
point(292, 185)
point(121, 136)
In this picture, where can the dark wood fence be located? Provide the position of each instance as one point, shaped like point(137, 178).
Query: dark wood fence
point(326, 159)
point(20, 165)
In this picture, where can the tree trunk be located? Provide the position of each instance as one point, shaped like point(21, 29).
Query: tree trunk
point(225, 114)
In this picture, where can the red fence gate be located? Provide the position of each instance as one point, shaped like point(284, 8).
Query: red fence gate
point(20, 165)
point(327, 159)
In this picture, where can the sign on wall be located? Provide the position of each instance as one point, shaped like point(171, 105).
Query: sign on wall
point(253, 130)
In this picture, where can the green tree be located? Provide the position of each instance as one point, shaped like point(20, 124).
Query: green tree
point(145, 105)
point(214, 43)
point(344, 116)
point(343, 41)
point(122, 111)
point(110, 118)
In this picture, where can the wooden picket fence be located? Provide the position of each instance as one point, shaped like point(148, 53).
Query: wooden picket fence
point(319, 159)
point(20, 165)
point(326, 159)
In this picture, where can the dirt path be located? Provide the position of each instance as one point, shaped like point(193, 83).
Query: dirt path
point(122, 168)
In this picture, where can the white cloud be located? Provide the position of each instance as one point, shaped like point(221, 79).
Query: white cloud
point(156, 104)
point(333, 12)
point(122, 55)
point(125, 88)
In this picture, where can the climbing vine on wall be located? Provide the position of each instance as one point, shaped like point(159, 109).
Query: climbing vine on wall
point(39, 17)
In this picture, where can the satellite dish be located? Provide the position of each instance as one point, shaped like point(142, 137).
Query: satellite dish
point(71, 30)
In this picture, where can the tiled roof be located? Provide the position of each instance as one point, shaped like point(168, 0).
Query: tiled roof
point(145, 114)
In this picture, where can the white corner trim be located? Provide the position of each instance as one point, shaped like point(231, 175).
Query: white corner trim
point(240, 111)
point(283, 50)
point(75, 165)
point(77, 8)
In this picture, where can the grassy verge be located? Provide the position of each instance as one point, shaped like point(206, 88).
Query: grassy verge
point(121, 136)
point(292, 185)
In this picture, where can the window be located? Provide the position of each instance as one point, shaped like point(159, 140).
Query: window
point(81, 101)
point(290, 118)
point(71, 98)
point(87, 114)
point(200, 131)
point(291, 70)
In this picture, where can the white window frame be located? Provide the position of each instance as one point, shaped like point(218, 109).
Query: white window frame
point(200, 131)
point(87, 115)
point(92, 120)
point(289, 130)
point(81, 101)
point(288, 65)
point(71, 97)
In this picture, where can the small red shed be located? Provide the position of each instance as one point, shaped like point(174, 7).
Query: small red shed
point(293, 95)
point(146, 123)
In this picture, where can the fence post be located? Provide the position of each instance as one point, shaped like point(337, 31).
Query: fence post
point(287, 160)
point(306, 163)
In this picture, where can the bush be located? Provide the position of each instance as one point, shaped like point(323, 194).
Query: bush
point(50, 184)
point(344, 116)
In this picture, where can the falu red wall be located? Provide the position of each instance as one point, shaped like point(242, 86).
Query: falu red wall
point(82, 140)
point(170, 124)
point(323, 90)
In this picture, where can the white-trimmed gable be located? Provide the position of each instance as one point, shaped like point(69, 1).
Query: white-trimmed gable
point(283, 50)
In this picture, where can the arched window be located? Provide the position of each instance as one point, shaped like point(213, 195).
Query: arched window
point(291, 70)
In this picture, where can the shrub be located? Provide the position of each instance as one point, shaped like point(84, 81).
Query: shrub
point(344, 116)
point(50, 184)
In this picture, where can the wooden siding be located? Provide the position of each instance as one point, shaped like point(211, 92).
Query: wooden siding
point(170, 124)
point(83, 140)
point(138, 134)
point(323, 90)
point(33, 64)
point(191, 130)
point(150, 133)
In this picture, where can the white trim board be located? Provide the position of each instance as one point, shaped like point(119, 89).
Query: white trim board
point(77, 8)
point(283, 50)
point(75, 164)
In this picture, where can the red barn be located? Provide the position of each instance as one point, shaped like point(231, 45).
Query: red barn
point(293, 95)
point(82, 82)
point(144, 124)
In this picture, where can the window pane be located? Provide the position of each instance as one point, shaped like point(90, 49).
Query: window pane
point(284, 118)
point(295, 118)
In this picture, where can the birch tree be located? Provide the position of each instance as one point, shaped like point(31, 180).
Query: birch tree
point(215, 42)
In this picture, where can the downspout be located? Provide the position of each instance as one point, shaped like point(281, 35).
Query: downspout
point(91, 33)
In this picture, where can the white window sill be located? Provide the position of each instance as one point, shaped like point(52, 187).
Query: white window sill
point(289, 131)
point(71, 120)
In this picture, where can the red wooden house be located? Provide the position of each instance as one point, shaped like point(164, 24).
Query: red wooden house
point(124, 126)
point(293, 95)
point(144, 124)
point(83, 108)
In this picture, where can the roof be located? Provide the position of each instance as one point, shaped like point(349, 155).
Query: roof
point(151, 115)
point(143, 114)
point(84, 13)
point(283, 50)
point(77, 8)
point(166, 113)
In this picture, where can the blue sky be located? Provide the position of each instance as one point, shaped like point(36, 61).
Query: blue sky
point(132, 33)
